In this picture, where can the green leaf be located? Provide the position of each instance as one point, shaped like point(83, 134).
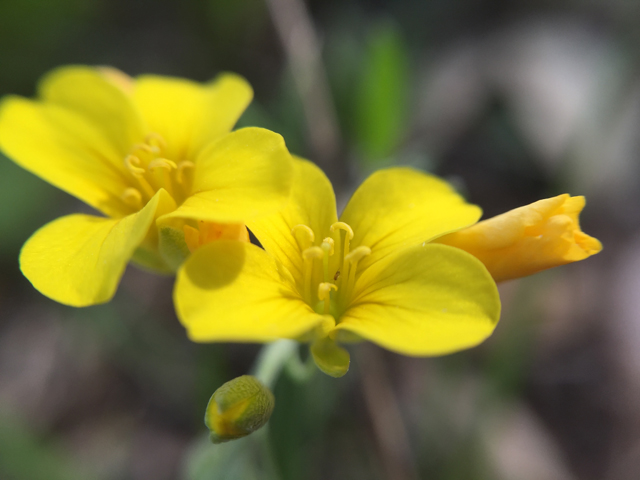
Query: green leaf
point(383, 91)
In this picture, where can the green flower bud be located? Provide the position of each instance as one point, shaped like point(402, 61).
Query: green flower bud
point(238, 408)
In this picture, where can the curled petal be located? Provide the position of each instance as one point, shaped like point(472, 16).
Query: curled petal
point(528, 239)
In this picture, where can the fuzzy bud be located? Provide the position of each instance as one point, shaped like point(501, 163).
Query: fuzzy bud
point(238, 408)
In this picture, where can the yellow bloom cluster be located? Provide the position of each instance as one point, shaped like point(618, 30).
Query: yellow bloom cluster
point(155, 155)
point(406, 265)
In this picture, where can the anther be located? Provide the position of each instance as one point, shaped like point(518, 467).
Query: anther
point(342, 226)
point(155, 140)
point(182, 167)
point(142, 147)
point(324, 290)
point(327, 246)
point(358, 254)
point(166, 166)
point(133, 164)
point(313, 252)
point(324, 295)
point(162, 163)
point(303, 235)
point(132, 197)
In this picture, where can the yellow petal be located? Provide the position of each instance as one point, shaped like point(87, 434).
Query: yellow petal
point(244, 174)
point(235, 291)
point(64, 149)
point(209, 232)
point(400, 207)
point(312, 203)
point(118, 78)
point(528, 239)
point(91, 94)
point(427, 300)
point(189, 115)
point(78, 259)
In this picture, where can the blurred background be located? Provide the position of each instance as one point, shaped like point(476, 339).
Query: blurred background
point(510, 101)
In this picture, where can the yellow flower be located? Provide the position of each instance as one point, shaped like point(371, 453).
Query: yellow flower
point(371, 274)
point(528, 239)
point(153, 154)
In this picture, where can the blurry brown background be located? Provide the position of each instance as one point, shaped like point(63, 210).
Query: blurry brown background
point(511, 101)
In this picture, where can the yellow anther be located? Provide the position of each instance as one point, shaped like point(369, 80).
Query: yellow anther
point(313, 252)
point(324, 295)
point(162, 163)
point(166, 165)
point(324, 290)
point(342, 226)
point(356, 255)
point(132, 197)
point(155, 140)
point(133, 164)
point(303, 235)
point(327, 246)
point(142, 147)
point(182, 167)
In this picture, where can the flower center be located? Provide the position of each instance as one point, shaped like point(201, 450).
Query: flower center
point(150, 171)
point(329, 269)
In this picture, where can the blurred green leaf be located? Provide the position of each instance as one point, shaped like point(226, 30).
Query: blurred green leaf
point(236, 460)
point(381, 100)
point(26, 205)
point(25, 457)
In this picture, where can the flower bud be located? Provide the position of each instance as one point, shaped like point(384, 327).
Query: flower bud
point(238, 408)
point(528, 239)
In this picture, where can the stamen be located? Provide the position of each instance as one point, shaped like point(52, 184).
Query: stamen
point(133, 165)
point(162, 163)
point(308, 256)
point(181, 174)
point(154, 139)
point(327, 246)
point(345, 250)
point(142, 147)
point(312, 252)
point(166, 166)
point(342, 226)
point(304, 236)
point(352, 261)
point(132, 197)
point(324, 295)
point(358, 254)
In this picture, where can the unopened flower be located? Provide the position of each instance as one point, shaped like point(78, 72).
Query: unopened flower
point(528, 239)
point(154, 155)
point(239, 407)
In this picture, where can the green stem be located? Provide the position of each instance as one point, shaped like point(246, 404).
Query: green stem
point(272, 359)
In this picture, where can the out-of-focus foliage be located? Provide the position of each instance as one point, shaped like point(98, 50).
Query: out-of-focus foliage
point(383, 93)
